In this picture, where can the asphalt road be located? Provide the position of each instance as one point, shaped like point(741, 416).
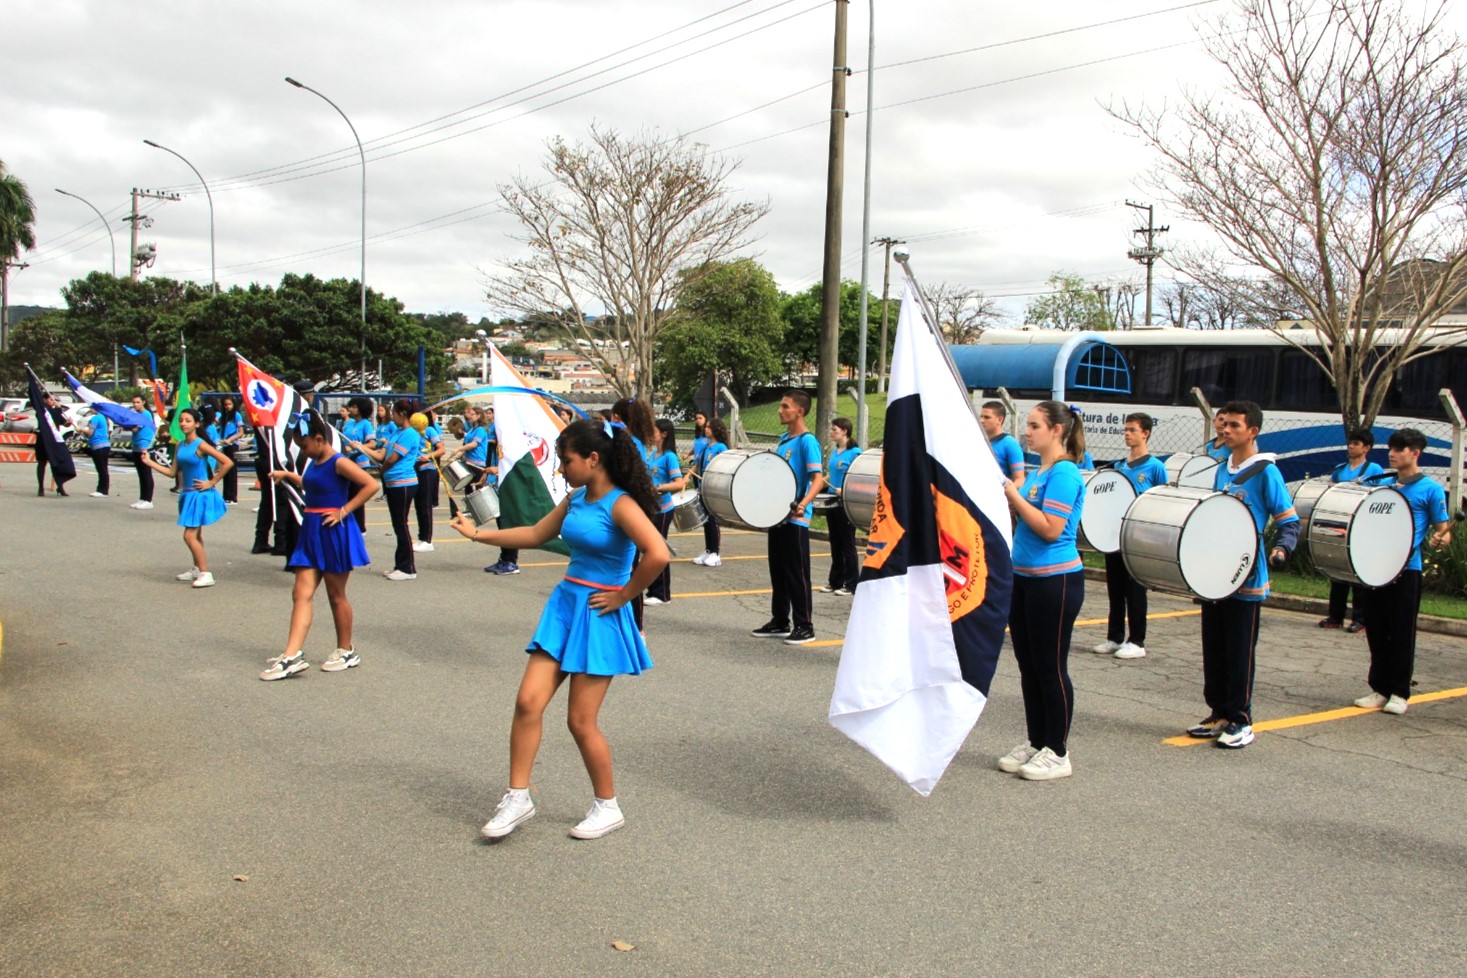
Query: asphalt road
point(165, 813)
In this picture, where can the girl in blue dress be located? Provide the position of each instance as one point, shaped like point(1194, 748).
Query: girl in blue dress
point(587, 631)
point(199, 502)
point(329, 546)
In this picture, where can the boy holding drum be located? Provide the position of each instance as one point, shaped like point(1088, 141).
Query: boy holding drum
point(789, 542)
point(1357, 467)
point(1127, 595)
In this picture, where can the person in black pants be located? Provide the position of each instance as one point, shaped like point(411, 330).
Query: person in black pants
point(789, 542)
point(845, 567)
point(142, 441)
point(269, 493)
point(398, 460)
point(229, 429)
point(99, 449)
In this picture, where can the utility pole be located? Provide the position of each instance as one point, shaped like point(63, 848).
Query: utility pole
point(829, 346)
point(6, 265)
point(1148, 254)
point(142, 220)
point(885, 294)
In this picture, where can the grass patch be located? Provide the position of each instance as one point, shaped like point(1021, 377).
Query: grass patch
point(763, 419)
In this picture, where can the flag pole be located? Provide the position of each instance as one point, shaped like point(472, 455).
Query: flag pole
point(904, 259)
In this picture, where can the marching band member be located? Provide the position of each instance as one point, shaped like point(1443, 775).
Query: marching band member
point(845, 568)
point(509, 557)
point(359, 428)
point(99, 449)
point(1356, 468)
point(328, 548)
point(1218, 447)
point(700, 440)
point(717, 444)
point(399, 459)
point(667, 478)
point(427, 497)
point(1006, 447)
point(199, 502)
point(1230, 627)
point(225, 431)
point(587, 632)
point(1049, 587)
point(789, 542)
point(1128, 596)
point(1391, 611)
point(49, 405)
point(141, 442)
point(636, 417)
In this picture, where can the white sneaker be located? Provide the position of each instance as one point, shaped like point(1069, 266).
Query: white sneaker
point(1371, 701)
point(341, 660)
point(603, 818)
point(142, 504)
point(1395, 705)
point(423, 548)
point(1046, 766)
point(702, 558)
point(192, 574)
point(1130, 650)
point(651, 600)
point(515, 807)
point(205, 579)
point(1106, 648)
point(714, 560)
point(99, 495)
point(1016, 758)
point(397, 575)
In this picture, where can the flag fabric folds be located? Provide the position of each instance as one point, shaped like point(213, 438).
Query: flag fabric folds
point(50, 443)
point(530, 480)
point(181, 400)
point(271, 406)
point(109, 409)
point(928, 619)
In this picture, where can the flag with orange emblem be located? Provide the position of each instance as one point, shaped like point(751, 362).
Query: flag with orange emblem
point(929, 615)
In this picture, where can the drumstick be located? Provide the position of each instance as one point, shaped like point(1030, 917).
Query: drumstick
point(419, 421)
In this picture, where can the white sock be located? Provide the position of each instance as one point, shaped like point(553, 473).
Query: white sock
point(520, 794)
point(609, 802)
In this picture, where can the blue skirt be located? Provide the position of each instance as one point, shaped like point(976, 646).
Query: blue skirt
point(329, 549)
point(200, 507)
point(582, 640)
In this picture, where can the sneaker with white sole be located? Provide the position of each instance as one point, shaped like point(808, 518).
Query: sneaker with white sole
point(192, 574)
point(283, 667)
point(423, 547)
point(1046, 766)
point(771, 629)
point(1235, 736)
point(1130, 650)
point(1394, 706)
point(1370, 701)
point(1017, 758)
point(1106, 648)
point(603, 818)
point(341, 660)
point(843, 592)
point(714, 560)
point(205, 579)
point(1206, 729)
point(99, 495)
point(649, 599)
point(515, 808)
point(142, 504)
point(397, 575)
point(826, 588)
point(702, 558)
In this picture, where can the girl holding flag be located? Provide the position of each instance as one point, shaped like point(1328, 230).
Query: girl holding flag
point(199, 502)
point(1049, 587)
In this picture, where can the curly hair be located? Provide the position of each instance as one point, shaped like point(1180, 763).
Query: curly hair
point(637, 414)
point(618, 453)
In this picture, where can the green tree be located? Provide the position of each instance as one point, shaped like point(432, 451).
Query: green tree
point(17, 216)
point(801, 315)
point(1073, 305)
point(728, 322)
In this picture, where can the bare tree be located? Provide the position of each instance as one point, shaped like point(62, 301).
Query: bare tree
point(1335, 163)
point(621, 229)
point(963, 313)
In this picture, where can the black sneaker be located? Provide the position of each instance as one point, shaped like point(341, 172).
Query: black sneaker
point(1355, 627)
point(1207, 729)
point(771, 629)
point(800, 636)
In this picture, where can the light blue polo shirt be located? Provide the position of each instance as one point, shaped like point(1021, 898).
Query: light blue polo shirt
point(802, 452)
point(1058, 490)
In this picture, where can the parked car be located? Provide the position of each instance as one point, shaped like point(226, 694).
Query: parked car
point(17, 414)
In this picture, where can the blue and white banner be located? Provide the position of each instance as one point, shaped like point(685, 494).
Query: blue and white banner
point(109, 409)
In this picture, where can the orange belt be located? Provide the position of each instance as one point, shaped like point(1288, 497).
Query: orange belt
point(599, 587)
point(323, 510)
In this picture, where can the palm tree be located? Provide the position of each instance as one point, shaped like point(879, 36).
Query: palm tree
point(17, 215)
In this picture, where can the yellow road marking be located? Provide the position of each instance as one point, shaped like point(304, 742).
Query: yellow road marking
point(1305, 719)
point(1155, 617)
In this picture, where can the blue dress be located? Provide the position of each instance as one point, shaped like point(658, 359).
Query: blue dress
point(572, 632)
point(329, 549)
point(197, 507)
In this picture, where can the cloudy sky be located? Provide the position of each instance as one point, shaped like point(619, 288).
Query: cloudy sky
point(993, 155)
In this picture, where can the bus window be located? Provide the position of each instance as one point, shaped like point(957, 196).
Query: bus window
point(1231, 374)
point(1414, 392)
point(1303, 384)
point(1153, 375)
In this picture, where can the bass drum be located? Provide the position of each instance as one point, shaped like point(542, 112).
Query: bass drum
point(1361, 534)
point(861, 487)
point(749, 489)
point(1108, 495)
point(1306, 494)
point(1193, 471)
point(1192, 542)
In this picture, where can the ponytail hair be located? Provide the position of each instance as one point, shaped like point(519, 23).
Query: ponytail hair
point(669, 435)
point(618, 453)
point(636, 414)
point(403, 406)
point(1067, 417)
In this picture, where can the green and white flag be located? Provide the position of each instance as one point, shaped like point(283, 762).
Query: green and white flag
point(181, 400)
point(530, 480)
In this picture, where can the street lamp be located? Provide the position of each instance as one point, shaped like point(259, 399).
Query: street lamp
point(104, 224)
point(484, 357)
point(213, 273)
point(363, 154)
point(862, 413)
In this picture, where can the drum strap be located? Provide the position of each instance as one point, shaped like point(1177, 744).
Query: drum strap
point(1252, 471)
point(1413, 479)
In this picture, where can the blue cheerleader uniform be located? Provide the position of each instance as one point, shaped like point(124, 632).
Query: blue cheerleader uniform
point(329, 549)
point(197, 507)
point(573, 633)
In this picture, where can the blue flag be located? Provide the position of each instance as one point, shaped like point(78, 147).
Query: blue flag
point(111, 410)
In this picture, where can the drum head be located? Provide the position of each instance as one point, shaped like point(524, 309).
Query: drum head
point(684, 498)
point(1198, 472)
point(1218, 547)
point(1108, 494)
point(1362, 534)
point(749, 488)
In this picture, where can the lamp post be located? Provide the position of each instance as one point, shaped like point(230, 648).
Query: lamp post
point(110, 235)
point(363, 154)
point(862, 414)
point(213, 273)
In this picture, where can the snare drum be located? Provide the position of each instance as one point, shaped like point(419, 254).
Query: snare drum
point(1187, 541)
point(1361, 534)
point(458, 474)
point(1194, 471)
point(1108, 494)
point(749, 489)
point(861, 487)
point(687, 511)
point(482, 505)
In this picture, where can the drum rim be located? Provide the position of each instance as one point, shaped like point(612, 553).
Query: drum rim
point(1173, 491)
